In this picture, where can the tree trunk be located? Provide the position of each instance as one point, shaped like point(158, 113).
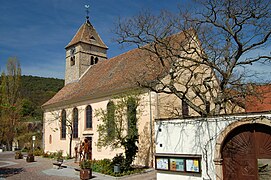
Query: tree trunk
point(70, 150)
point(9, 145)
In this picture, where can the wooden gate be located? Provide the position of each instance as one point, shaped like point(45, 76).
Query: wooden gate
point(246, 153)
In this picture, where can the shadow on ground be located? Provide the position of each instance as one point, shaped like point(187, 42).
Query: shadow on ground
point(6, 172)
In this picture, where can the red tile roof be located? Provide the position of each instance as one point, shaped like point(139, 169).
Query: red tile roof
point(261, 101)
point(113, 76)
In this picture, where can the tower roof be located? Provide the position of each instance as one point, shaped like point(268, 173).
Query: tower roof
point(87, 34)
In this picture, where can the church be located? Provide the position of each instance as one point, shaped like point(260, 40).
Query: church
point(91, 82)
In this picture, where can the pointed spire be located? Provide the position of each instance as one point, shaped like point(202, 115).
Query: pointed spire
point(87, 14)
point(87, 34)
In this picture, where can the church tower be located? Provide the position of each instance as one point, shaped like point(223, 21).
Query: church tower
point(85, 50)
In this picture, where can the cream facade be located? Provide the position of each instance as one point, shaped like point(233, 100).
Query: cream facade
point(52, 128)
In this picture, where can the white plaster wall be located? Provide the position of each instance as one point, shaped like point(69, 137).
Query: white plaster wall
point(193, 137)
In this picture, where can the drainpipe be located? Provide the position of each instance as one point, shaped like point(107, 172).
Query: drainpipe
point(151, 141)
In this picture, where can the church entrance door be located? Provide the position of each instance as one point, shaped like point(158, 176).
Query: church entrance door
point(246, 153)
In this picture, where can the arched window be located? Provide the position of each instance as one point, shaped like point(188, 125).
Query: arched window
point(63, 124)
point(88, 117)
point(50, 139)
point(131, 116)
point(111, 119)
point(72, 61)
point(96, 60)
point(75, 123)
point(91, 60)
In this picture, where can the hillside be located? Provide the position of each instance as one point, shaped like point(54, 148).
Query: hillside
point(35, 91)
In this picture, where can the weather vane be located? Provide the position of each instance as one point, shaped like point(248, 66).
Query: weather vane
point(87, 11)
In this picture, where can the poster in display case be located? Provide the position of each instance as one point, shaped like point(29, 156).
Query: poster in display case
point(162, 163)
point(192, 165)
point(178, 163)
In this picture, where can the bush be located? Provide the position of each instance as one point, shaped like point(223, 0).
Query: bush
point(53, 155)
point(106, 166)
point(85, 164)
point(46, 154)
point(103, 166)
point(119, 160)
point(38, 152)
point(18, 155)
point(59, 154)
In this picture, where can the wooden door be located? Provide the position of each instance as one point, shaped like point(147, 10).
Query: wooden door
point(242, 151)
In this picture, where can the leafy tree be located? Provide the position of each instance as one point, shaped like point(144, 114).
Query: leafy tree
point(10, 101)
point(209, 63)
point(119, 126)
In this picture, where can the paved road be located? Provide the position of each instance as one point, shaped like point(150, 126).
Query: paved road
point(42, 168)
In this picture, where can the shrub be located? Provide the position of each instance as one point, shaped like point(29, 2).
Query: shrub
point(85, 164)
point(46, 154)
point(18, 155)
point(119, 160)
point(53, 155)
point(38, 152)
point(106, 166)
point(59, 154)
point(102, 166)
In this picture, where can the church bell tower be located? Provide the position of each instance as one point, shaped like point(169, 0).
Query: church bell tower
point(84, 51)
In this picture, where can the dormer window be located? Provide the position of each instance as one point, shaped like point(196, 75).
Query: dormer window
point(92, 38)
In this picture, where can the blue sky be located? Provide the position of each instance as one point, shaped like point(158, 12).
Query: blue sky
point(36, 32)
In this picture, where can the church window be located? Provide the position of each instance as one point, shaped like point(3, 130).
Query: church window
point(185, 108)
point(131, 116)
point(88, 117)
point(96, 60)
point(75, 123)
point(50, 139)
point(63, 124)
point(91, 60)
point(111, 119)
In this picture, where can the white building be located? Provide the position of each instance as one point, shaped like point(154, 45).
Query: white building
point(231, 147)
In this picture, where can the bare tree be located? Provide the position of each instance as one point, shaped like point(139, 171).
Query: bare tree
point(207, 62)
